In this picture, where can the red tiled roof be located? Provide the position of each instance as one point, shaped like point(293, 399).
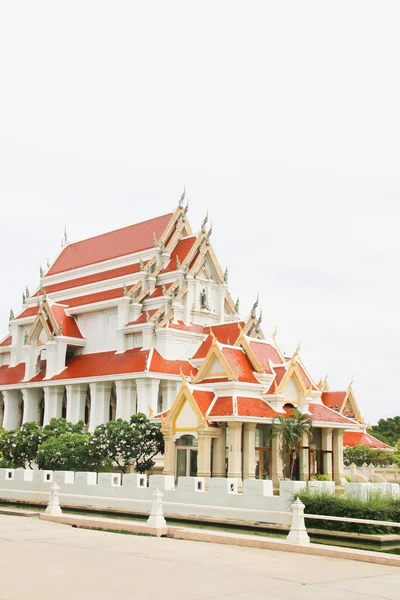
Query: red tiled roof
point(204, 348)
point(280, 374)
point(113, 244)
point(7, 341)
point(93, 298)
point(104, 363)
point(181, 251)
point(324, 414)
point(226, 333)
point(306, 380)
point(254, 407)
point(332, 399)
point(355, 438)
point(79, 281)
point(194, 327)
point(240, 364)
point(203, 400)
point(172, 367)
point(69, 325)
point(11, 375)
point(28, 312)
point(265, 352)
point(223, 407)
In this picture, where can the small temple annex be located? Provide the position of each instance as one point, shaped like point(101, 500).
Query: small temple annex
point(141, 320)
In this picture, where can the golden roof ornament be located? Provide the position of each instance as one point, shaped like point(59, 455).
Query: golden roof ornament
point(226, 275)
point(164, 289)
point(151, 411)
point(141, 264)
point(125, 289)
point(11, 317)
point(155, 241)
point(185, 210)
point(259, 321)
point(40, 271)
point(208, 235)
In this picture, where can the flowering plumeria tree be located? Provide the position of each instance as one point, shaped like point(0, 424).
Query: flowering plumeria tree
point(123, 442)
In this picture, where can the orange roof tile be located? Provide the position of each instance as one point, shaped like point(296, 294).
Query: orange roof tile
point(97, 277)
point(69, 325)
point(226, 333)
point(254, 407)
point(239, 363)
point(333, 399)
point(7, 341)
point(11, 375)
point(172, 367)
point(265, 352)
point(203, 400)
point(306, 380)
point(355, 438)
point(104, 363)
point(28, 312)
point(113, 244)
point(326, 415)
point(204, 348)
point(223, 407)
point(181, 251)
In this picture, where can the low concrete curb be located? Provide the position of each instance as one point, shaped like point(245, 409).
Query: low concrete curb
point(231, 539)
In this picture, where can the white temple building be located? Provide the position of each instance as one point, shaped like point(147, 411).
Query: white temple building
point(141, 320)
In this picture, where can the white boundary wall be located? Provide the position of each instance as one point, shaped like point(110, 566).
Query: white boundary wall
point(130, 493)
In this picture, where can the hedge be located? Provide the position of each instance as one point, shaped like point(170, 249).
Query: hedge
point(377, 508)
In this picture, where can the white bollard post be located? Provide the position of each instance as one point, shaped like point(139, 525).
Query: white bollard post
point(156, 518)
point(298, 532)
point(53, 507)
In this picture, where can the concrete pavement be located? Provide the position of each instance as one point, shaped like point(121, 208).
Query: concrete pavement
point(45, 560)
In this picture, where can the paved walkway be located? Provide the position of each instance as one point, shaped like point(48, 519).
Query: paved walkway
point(40, 560)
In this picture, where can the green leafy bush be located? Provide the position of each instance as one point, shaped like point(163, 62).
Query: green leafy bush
point(377, 508)
point(70, 452)
point(321, 477)
point(364, 454)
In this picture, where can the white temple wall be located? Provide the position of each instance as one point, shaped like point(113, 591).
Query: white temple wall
point(290, 392)
point(5, 358)
point(100, 330)
point(130, 493)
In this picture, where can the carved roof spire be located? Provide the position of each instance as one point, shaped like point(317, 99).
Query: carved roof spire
point(182, 198)
point(204, 223)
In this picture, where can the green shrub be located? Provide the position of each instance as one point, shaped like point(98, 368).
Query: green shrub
point(321, 477)
point(70, 452)
point(377, 508)
point(364, 454)
point(347, 478)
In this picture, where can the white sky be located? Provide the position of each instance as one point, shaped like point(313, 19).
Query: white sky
point(282, 118)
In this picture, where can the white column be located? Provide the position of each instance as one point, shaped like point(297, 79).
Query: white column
point(277, 460)
point(338, 456)
point(100, 403)
point(235, 450)
point(219, 454)
point(326, 444)
point(31, 397)
point(249, 445)
point(76, 398)
point(304, 460)
point(12, 399)
point(53, 400)
point(169, 453)
point(126, 399)
point(147, 395)
point(204, 454)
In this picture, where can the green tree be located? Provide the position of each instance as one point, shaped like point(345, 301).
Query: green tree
point(70, 452)
point(291, 431)
point(20, 447)
point(364, 454)
point(387, 430)
point(124, 442)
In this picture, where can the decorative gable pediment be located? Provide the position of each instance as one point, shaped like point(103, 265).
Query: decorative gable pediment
point(184, 414)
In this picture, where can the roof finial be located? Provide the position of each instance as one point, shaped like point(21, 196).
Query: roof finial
point(11, 315)
point(204, 223)
point(258, 323)
point(237, 305)
point(23, 298)
point(27, 294)
point(178, 262)
point(125, 289)
point(147, 316)
point(155, 241)
point(141, 264)
point(274, 333)
point(226, 275)
point(48, 263)
point(184, 213)
point(65, 235)
point(296, 353)
point(182, 197)
point(41, 272)
point(351, 381)
point(254, 307)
